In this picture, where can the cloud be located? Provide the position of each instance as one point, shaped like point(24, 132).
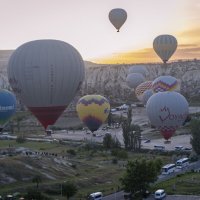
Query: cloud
point(192, 34)
point(147, 55)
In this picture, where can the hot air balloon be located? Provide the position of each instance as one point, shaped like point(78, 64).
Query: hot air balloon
point(146, 95)
point(46, 75)
point(167, 111)
point(165, 46)
point(165, 83)
point(138, 69)
point(93, 111)
point(7, 107)
point(117, 17)
point(134, 79)
point(140, 89)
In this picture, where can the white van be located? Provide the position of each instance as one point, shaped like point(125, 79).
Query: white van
point(96, 196)
point(160, 194)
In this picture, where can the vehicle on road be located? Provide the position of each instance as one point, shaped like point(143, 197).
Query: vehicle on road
point(178, 148)
point(159, 147)
point(160, 194)
point(95, 196)
point(168, 169)
point(181, 163)
point(147, 141)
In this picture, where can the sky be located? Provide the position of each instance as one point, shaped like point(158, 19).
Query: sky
point(85, 25)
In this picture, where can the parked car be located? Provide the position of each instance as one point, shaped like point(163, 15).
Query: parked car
point(178, 148)
point(160, 194)
point(187, 149)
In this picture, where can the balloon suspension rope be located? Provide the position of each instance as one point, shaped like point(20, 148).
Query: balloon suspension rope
point(163, 68)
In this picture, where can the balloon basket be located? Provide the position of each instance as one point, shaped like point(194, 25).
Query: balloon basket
point(167, 141)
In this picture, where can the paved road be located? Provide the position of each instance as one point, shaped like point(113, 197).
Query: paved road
point(178, 197)
point(120, 196)
point(115, 196)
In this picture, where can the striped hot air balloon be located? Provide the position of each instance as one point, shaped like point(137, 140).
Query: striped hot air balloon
point(93, 111)
point(140, 89)
point(165, 46)
point(46, 75)
point(165, 83)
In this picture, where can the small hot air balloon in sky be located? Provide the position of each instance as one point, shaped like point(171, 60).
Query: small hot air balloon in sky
point(134, 79)
point(93, 111)
point(167, 111)
point(7, 107)
point(117, 17)
point(140, 89)
point(165, 46)
point(46, 75)
point(138, 69)
point(165, 83)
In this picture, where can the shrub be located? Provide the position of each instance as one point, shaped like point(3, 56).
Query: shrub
point(71, 151)
point(20, 139)
point(114, 161)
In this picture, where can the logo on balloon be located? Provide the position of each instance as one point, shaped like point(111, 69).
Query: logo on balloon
point(167, 115)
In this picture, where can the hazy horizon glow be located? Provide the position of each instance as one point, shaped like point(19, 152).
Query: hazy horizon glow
point(85, 25)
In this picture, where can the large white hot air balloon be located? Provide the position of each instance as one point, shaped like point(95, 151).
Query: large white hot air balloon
point(138, 69)
point(165, 83)
point(134, 79)
point(165, 46)
point(117, 17)
point(46, 75)
point(167, 111)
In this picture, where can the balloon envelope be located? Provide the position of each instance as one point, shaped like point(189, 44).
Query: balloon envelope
point(138, 69)
point(117, 17)
point(93, 110)
point(45, 75)
point(134, 79)
point(140, 89)
point(147, 94)
point(7, 106)
point(165, 46)
point(167, 110)
point(167, 133)
point(165, 83)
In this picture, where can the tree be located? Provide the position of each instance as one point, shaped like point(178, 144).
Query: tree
point(107, 141)
point(37, 179)
point(69, 189)
point(131, 135)
point(32, 194)
point(135, 136)
point(110, 119)
point(195, 131)
point(126, 130)
point(139, 174)
point(129, 115)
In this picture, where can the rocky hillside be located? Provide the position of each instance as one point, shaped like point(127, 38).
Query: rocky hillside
point(110, 80)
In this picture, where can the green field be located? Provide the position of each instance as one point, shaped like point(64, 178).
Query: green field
point(90, 169)
point(185, 184)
